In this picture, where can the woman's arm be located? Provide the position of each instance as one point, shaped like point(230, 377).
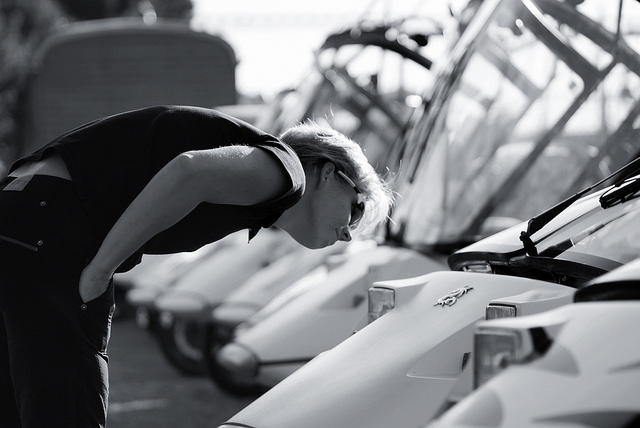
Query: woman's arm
point(236, 175)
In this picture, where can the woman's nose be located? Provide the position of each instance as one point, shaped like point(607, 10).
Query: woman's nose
point(345, 234)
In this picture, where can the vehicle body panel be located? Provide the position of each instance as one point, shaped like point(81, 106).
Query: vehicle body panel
point(589, 374)
point(198, 291)
point(420, 378)
point(331, 310)
point(262, 287)
point(156, 273)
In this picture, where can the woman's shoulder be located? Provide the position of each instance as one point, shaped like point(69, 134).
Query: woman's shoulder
point(288, 159)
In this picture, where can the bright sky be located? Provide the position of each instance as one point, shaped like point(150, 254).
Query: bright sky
point(274, 39)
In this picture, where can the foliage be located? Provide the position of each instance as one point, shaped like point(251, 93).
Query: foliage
point(24, 24)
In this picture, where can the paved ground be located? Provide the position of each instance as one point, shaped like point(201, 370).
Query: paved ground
point(147, 392)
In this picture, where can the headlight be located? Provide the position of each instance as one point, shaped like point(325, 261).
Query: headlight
point(166, 319)
point(381, 301)
point(237, 359)
point(478, 267)
point(495, 311)
point(497, 348)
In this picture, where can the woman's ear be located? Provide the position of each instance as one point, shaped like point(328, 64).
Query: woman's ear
point(327, 171)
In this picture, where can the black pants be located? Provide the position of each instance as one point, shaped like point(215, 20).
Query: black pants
point(53, 361)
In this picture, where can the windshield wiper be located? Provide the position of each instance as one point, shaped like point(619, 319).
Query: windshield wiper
point(538, 222)
point(620, 193)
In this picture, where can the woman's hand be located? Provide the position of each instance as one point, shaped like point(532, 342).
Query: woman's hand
point(93, 282)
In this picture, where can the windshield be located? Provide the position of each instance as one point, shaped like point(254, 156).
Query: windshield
point(365, 91)
point(615, 238)
point(534, 105)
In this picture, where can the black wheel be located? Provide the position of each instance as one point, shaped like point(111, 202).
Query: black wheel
point(182, 342)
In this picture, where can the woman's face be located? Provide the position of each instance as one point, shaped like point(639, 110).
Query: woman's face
point(334, 206)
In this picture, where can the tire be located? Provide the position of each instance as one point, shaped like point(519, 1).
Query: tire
point(182, 342)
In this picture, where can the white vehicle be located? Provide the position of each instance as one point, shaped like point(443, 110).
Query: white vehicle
point(412, 361)
point(514, 125)
point(575, 366)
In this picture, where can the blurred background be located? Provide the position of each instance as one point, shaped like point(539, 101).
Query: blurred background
point(272, 45)
point(275, 40)
point(485, 114)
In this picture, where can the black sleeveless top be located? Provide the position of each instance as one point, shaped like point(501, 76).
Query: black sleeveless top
point(111, 160)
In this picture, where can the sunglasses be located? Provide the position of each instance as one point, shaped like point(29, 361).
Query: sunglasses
point(357, 209)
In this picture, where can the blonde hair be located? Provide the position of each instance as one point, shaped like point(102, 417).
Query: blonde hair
point(315, 145)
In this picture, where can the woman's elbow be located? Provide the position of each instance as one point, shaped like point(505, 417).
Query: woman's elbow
point(186, 165)
point(193, 171)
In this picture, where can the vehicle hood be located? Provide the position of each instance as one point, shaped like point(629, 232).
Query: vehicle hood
point(402, 365)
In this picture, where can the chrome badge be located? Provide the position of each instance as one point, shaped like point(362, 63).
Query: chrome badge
point(452, 297)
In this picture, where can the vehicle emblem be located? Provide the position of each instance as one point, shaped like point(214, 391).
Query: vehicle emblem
point(452, 297)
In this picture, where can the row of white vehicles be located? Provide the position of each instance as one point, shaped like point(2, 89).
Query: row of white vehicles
point(518, 187)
